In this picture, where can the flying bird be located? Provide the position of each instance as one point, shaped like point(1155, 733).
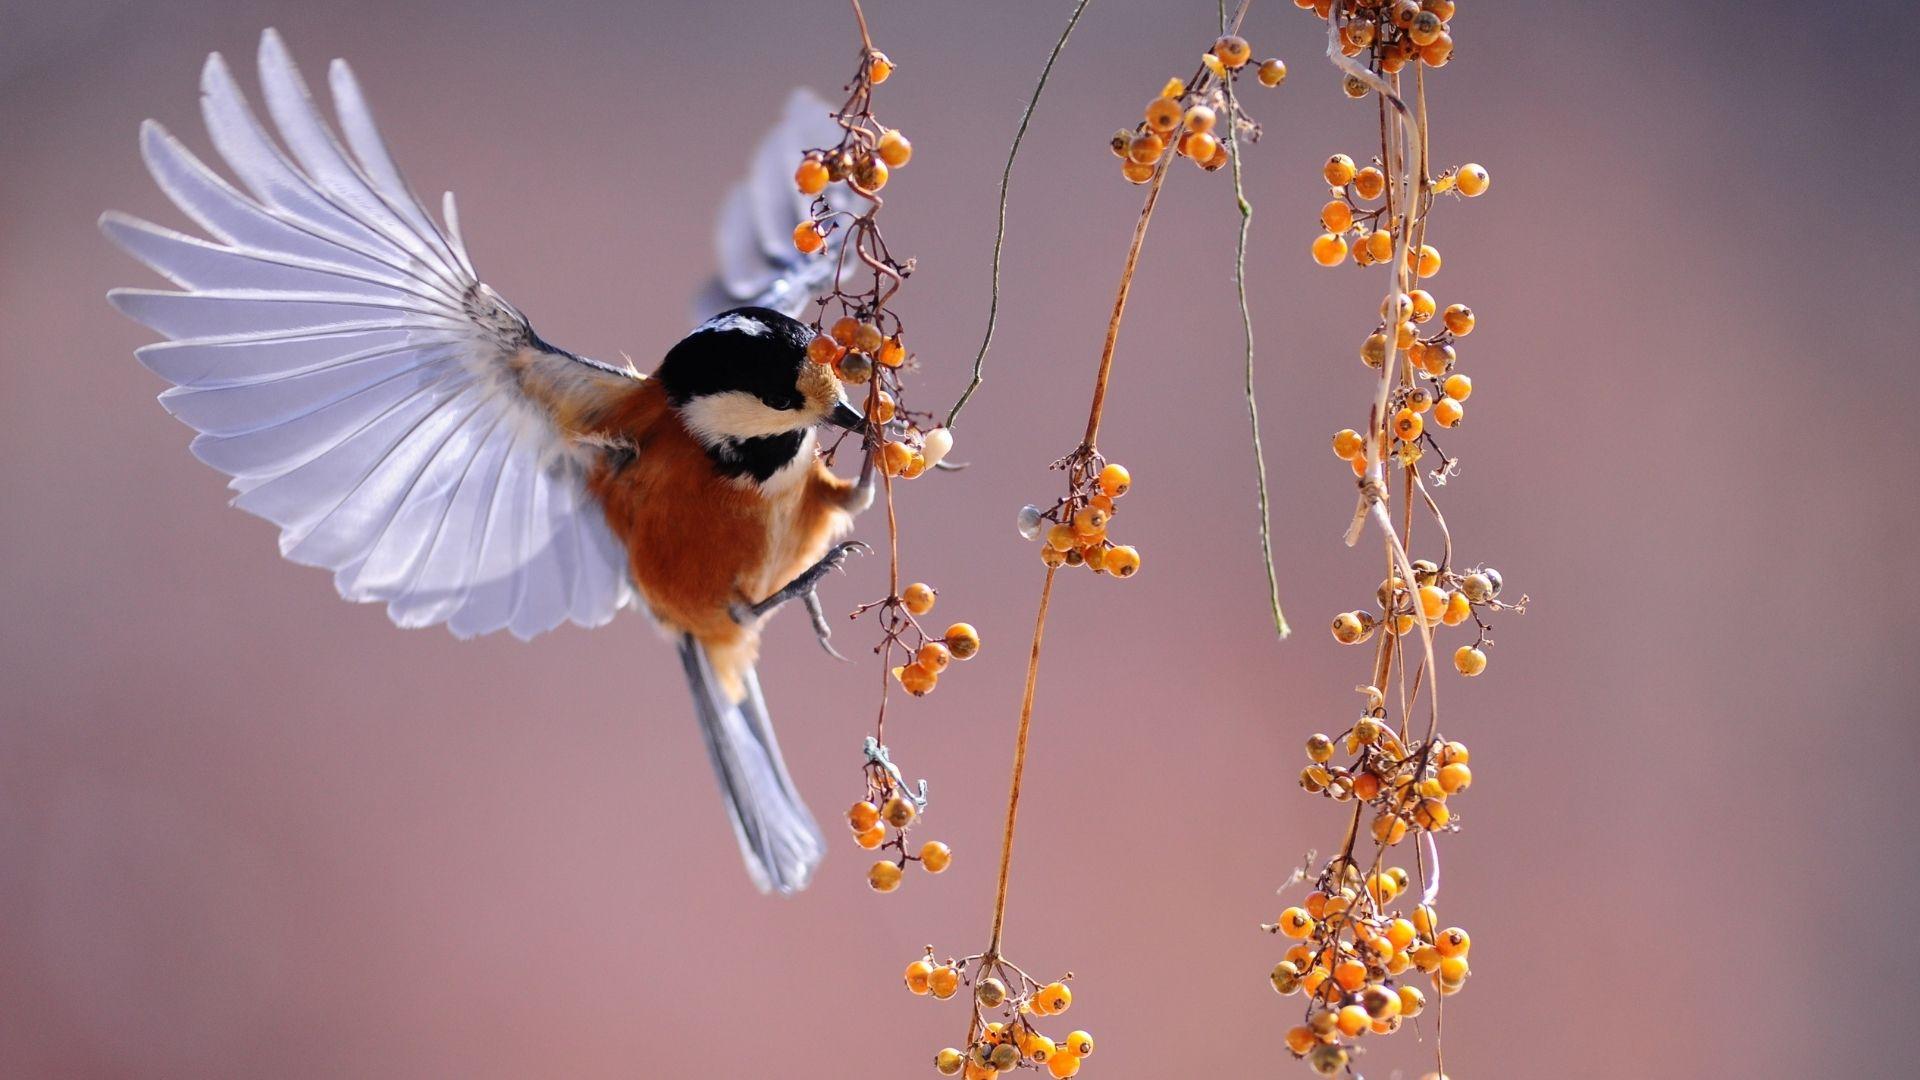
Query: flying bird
point(407, 429)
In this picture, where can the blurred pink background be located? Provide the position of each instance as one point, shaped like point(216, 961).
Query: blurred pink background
point(249, 830)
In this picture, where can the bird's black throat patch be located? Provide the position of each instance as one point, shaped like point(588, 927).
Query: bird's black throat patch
point(759, 457)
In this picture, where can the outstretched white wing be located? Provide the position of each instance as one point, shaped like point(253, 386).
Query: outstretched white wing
point(753, 236)
point(367, 394)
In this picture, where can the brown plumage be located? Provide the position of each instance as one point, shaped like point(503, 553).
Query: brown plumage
point(700, 545)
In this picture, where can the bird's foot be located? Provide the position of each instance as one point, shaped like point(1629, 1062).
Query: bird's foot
point(802, 588)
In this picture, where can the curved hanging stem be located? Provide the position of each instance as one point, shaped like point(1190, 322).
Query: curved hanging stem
point(1000, 234)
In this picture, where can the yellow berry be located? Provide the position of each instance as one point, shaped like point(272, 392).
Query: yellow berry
point(1469, 661)
point(949, 1061)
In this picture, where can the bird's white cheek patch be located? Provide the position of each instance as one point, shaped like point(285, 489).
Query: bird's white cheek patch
point(736, 414)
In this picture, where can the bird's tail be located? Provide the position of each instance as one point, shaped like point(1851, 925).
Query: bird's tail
point(778, 836)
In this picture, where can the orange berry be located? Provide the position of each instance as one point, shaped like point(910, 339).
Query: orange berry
point(872, 837)
point(1199, 146)
point(1061, 1066)
point(1348, 444)
point(1233, 51)
point(1407, 425)
point(1431, 814)
point(1350, 974)
point(1296, 923)
point(1163, 114)
point(1301, 1039)
point(1453, 941)
point(1369, 183)
point(824, 350)
point(883, 408)
point(944, 981)
point(1079, 1044)
point(1337, 216)
point(845, 330)
point(1115, 481)
point(918, 597)
point(1472, 180)
point(892, 354)
point(917, 680)
point(935, 856)
point(1411, 1001)
point(1428, 262)
point(879, 67)
point(1433, 602)
point(1380, 246)
point(872, 174)
point(1423, 305)
point(1272, 73)
point(1200, 119)
point(1122, 562)
point(862, 816)
point(1458, 608)
point(1459, 319)
point(962, 640)
point(1469, 661)
point(918, 973)
point(1136, 173)
point(1353, 1020)
point(1455, 778)
point(1146, 148)
point(933, 656)
point(1457, 387)
point(811, 177)
point(898, 812)
point(1329, 249)
point(1056, 997)
point(884, 877)
point(894, 149)
point(1338, 170)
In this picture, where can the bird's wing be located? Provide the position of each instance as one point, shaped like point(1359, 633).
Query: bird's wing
point(331, 343)
point(753, 236)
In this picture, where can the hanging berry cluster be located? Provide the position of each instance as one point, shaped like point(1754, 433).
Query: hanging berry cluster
point(864, 348)
point(1000, 989)
point(1369, 926)
point(1186, 114)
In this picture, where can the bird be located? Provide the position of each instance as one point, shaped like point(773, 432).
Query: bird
point(407, 429)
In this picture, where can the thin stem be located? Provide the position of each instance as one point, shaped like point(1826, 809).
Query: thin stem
point(1246, 323)
point(1120, 301)
point(1019, 766)
point(1000, 235)
point(866, 40)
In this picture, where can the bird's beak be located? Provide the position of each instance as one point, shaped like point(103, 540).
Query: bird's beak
point(846, 416)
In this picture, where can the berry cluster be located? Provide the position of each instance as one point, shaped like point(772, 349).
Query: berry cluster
point(863, 346)
point(1367, 233)
point(891, 805)
point(1356, 945)
point(1075, 527)
point(1186, 114)
point(1440, 597)
point(1013, 1041)
point(929, 656)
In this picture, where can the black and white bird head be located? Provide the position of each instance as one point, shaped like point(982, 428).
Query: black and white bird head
point(742, 384)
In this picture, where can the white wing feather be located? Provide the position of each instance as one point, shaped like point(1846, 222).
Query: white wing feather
point(753, 236)
point(344, 365)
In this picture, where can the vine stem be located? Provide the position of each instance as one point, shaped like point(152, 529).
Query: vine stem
point(866, 40)
point(1000, 235)
point(1246, 323)
point(1120, 301)
point(1019, 767)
